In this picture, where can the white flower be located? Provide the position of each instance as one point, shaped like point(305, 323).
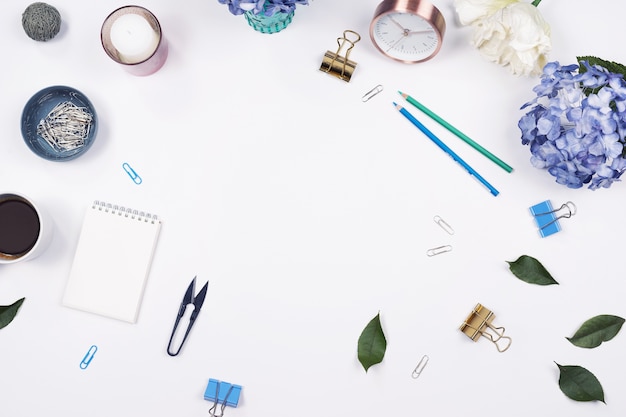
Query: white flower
point(516, 35)
point(470, 11)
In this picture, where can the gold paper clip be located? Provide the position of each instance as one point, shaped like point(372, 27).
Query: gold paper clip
point(478, 323)
point(337, 65)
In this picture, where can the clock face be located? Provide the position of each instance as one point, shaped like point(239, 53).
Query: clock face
point(405, 37)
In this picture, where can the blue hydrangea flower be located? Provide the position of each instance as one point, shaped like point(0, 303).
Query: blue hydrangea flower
point(576, 125)
point(267, 7)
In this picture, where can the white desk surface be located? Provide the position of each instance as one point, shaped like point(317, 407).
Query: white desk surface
point(309, 212)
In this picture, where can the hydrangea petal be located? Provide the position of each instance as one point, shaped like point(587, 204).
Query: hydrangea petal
point(578, 139)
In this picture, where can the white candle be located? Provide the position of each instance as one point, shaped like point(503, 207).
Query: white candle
point(134, 38)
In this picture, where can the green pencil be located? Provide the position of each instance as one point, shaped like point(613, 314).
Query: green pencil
point(457, 132)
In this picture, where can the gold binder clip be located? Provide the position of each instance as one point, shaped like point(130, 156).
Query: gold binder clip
point(478, 324)
point(340, 66)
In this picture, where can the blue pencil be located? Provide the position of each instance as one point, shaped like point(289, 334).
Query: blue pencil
point(445, 148)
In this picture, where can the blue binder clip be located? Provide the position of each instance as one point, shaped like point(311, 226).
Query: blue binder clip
point(547, 218)
point(223, 393)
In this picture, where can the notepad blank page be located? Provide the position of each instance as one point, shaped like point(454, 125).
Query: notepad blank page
point(111, 264)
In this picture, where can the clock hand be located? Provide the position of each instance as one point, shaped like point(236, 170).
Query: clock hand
point(395, 22)
point(405, 33)
point(418, 31)
point(393, 45)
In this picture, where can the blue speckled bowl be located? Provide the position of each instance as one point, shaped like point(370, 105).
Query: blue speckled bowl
point(39, 106)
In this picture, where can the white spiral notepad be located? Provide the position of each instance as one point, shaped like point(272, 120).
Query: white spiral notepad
point(112, 261)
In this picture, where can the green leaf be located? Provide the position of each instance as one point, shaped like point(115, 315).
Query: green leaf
point(614, 67)
point(7, 313)
point(611, 66)
point(579, 384)
point(530, 270)
point(597, 330)
point(372, 344)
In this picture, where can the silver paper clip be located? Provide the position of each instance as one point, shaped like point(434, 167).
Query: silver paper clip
point(88, 357)
point(367, 96)
point(420, 367)
point(438, 250)
point(445, 226)
point(131, 173)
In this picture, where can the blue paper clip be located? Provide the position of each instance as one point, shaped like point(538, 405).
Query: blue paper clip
point(223, 393)
point(547, 219)
point(88, 357)
point(131, 173)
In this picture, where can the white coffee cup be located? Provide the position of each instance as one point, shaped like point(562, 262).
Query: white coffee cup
point(25, 228)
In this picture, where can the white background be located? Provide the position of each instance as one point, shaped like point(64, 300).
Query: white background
point(309, 212)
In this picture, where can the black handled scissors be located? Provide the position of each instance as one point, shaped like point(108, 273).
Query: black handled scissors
point(189, 298)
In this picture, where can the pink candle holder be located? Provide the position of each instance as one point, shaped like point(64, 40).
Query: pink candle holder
point(132, 37)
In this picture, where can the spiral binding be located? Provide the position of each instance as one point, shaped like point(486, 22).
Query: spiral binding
point(125, 211)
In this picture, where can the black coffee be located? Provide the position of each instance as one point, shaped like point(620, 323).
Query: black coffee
point(19, 227)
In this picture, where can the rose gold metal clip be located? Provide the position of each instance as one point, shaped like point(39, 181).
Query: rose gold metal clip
point(478, 323)
point(337, 65)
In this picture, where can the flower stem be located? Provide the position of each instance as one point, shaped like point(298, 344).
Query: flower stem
point(536, 2)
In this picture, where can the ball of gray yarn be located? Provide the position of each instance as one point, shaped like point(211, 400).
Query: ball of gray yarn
point(41, 21)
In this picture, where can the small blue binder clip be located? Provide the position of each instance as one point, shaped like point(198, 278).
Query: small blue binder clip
point(223, 393)
point(547, 218)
